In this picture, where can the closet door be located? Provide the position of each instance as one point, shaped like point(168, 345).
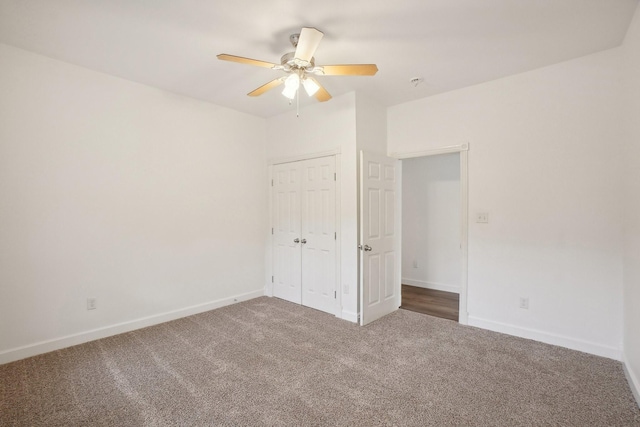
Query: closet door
point(286, 232)
point(304, 233)
point(318, 239)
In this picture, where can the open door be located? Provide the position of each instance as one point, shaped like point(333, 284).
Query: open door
point(379, 236)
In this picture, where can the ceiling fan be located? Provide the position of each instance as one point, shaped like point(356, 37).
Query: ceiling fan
point(299, 67)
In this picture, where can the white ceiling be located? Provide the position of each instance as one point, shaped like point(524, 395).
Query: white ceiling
point(172, 45)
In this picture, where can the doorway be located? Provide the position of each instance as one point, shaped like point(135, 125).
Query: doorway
point(434, 234)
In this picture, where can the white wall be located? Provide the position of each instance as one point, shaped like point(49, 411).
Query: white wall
point(544, 162)
point(371, 125)
point(632, 206)
point(431, 222)
point(323, 127)
point(150, 202)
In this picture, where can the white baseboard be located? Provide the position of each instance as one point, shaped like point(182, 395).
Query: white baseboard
point(632, 378)
point(350, 316)
point(432, 285)
point(549, 338)
point(18, 353)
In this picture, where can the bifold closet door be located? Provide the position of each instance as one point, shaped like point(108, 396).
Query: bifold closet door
point(304, 233)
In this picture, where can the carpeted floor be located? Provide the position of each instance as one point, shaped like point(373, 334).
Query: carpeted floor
point(269, 362)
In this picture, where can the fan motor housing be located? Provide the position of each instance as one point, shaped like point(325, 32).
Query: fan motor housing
point(289, 61)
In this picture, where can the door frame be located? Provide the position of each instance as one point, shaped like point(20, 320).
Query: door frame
point(268, 283)
point(463, 150)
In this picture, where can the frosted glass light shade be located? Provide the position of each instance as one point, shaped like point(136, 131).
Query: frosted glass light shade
point(291, 85)
point(310, 86)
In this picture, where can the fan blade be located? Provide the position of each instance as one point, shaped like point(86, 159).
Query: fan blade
point(265, 87)
point(243, 60)
point(321, 95)
point(308, 43)
point(350, 70)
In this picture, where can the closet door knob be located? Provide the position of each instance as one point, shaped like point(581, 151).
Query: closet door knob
point(296, 240)
point(367, 248)
point(303, 241)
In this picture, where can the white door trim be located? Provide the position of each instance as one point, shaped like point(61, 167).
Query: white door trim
point(268, 271)
point(443, 150)
point(463, 149)
point(338, 159)
point(279, 160)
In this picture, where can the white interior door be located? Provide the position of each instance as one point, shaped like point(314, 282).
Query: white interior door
point(318, 240)
point(286, 232)
point(379, 236)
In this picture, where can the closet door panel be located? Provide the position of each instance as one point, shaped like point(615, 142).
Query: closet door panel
point(286, 230)
point(318, 231)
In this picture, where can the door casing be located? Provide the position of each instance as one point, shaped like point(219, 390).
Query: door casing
point(463, 149)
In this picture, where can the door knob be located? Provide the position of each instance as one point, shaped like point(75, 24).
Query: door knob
point(296, 240)
point(367, 248)
point(303, 241)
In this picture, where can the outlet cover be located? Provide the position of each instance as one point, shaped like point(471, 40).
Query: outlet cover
point(482, 217)
point(524, 303)
point(91, 303)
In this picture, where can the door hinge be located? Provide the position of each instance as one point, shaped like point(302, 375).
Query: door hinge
point(335, 235)
point(272, 183)
point(271, 279)
point(334, 176)
point(335, 294)
point(271, 230)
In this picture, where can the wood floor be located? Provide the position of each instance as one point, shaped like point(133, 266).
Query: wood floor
point(428, 301)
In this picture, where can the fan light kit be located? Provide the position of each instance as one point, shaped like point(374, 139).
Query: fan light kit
point(300, 66)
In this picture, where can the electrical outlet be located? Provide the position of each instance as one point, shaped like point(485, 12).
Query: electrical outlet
point(415, 263)
point(91, 304)
point(524, 303)
point(345, 289)
point(482, 217)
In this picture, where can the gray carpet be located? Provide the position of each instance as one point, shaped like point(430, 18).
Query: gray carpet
point(269, 362)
